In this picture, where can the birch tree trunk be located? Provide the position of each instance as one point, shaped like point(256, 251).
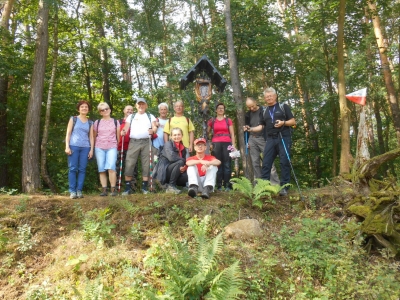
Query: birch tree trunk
point(44, 173)
point(5, 40)
point(30, 155)
point(344, 111)
point(236, 88)
point(387, 75)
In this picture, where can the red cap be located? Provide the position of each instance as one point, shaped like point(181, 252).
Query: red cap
point(200, 140)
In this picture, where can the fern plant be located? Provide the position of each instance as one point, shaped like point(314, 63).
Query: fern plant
point(260, 193)
point(193, 272)
point(97, 227)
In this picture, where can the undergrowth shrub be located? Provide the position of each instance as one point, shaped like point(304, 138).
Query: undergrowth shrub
point(97, 226)
point(328, 265)
point(193, 270)
point(25, 241)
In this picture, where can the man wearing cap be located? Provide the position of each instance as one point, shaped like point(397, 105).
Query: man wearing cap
point(182, 122)
point(141, 125)
point(202, 170)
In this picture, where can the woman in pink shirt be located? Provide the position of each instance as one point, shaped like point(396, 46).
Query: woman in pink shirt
point(106, 141)
point(222, 137)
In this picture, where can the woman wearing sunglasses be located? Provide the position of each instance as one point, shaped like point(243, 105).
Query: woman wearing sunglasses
point(107, 136)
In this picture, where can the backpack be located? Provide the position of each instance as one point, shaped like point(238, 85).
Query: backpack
point(75, 118)
point(221, 134)
point(116, 128)
point(154, 135)
point(280, 106)
point(169, 122)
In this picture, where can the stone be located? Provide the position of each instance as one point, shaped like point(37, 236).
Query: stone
point(244, 229)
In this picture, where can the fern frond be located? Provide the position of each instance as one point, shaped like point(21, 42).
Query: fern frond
point(228, 284)
point(127, 206)
point(243, 185)
point(265, 186)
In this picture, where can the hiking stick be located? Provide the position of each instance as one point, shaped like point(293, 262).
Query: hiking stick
point(290, 162)
point(120, 166)
point(151, 165)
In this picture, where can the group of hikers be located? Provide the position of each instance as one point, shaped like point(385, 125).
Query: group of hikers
point(164, 146)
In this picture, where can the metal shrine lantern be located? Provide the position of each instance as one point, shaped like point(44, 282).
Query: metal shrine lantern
point(205, 75)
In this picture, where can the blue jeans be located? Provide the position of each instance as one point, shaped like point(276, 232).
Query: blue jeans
point(274, 147)
point(77, 163)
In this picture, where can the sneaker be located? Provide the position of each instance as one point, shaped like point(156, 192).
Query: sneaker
point(206, 192)
point(227, 189)
point(220, 189)
point(193, 190)
point(125, 193)
point(104, 192)
point(73, 195)
point(145, 191)
point(79, 194)
point(283, 192)
point(173, 190)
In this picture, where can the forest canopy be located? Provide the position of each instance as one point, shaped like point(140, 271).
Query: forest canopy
point(55, 53)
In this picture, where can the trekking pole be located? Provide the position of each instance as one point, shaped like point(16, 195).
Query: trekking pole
point(246, 141)
point(120, 166)
point(290, 162)
point(151, 165)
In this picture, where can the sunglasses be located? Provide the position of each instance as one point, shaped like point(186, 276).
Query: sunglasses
point(103, 110)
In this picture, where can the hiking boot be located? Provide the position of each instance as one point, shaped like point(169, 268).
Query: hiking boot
point(173, 190)
point(114, 191)
point(104, 192)
point(206, 192)
point(193, 190)
point(79, 194)
point(220, 189)
point(228, 189)
point(73, 195)
point(283, 192)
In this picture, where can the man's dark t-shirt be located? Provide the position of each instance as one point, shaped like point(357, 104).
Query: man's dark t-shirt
point(273, 114)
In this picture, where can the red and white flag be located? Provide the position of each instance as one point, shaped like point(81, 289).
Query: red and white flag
point(359, 97)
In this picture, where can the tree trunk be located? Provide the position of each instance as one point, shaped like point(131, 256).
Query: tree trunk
point(105, 69)
point(5, 40)
point(333, 103)
point(44, 173)
point(85, 64)
point(387, 75)
point(344, 111)
point(30, 154)
point(234, 72)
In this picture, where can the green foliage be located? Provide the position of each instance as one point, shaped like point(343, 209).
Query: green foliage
point(94, 290)
point(6, 191)
point(3, 240)
point(76, 262)
point(193, 272)
point(25, 241)
point(320, 251)
point(135, 232)
point(22, 205)
point(260, 193)
point(97, 227)
point(127, 206)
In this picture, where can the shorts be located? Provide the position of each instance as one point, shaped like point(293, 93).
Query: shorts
point(106, 159)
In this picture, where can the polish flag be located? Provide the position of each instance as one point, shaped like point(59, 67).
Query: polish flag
point(358, 97)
